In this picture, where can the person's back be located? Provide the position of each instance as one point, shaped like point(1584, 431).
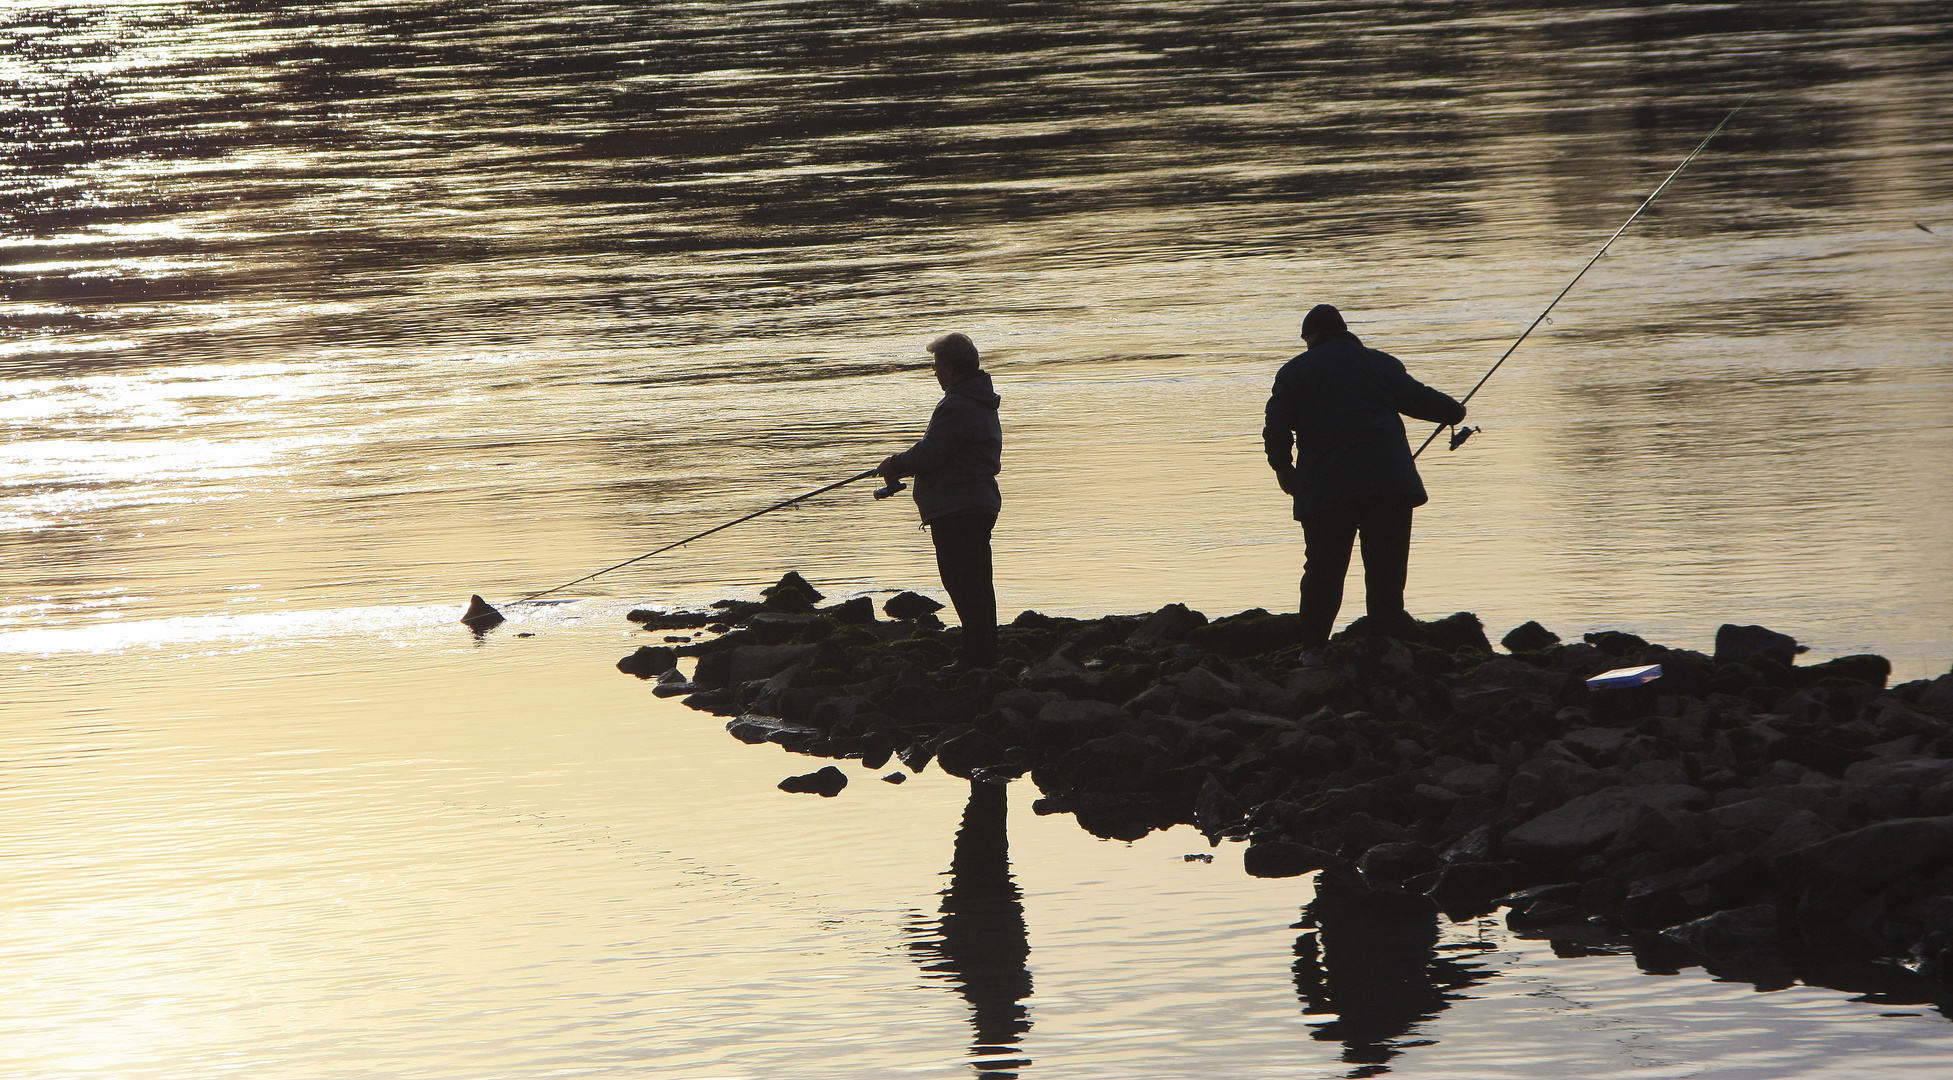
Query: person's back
point(1341, 402)
point(1336, 442)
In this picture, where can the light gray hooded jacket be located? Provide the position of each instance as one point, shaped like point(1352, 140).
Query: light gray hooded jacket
point(956, 464)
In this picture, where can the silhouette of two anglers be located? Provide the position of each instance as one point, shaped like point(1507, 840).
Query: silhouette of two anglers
point(1333, 436)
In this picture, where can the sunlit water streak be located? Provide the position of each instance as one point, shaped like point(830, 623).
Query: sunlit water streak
point(319, 321)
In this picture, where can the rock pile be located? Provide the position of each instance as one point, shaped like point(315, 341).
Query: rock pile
point(1739, 802)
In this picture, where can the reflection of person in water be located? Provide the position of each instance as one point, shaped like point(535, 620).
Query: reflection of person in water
point(979, 944)
point(1372, 961)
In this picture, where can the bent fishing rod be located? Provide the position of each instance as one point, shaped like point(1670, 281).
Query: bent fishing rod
point(1461, 434)
point(883, 492)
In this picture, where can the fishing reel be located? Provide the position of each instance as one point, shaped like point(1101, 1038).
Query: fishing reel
point(890, 488)
point(1458, 437)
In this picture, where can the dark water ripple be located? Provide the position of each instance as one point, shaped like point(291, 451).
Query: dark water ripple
point(368, 174)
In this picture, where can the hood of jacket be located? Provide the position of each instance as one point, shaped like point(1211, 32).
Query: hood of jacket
point(978, 389)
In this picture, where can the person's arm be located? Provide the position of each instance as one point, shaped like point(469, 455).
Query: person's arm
point(1278, 437)
point(1418, 401)
point(949, 428)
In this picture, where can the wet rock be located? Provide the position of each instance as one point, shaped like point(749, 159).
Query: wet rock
point(1543, 913)
point(1282, 859)
point(1617, 643)
point(673, 683)
point(788, 602)
point(1215, 810)
point(909, 605)
point(1458, 632)
point(1464, 889)
point(1589, 823)
point(653, 619)
point(895, 778)
point(968, 752)
point(649, 661)
point(856, 612)
point(1529, 637)
point(791, 581)
point(1738, 643)
point(916, 758)
point(876, 748)
point(1391, 863)
point(481, 616)
point(752, 728)
point(1877, 854)
point(1739, 930)
point(826, 782)
point(720, 702)
point(1868, 668)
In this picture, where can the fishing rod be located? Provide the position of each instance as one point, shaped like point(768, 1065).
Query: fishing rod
point(482, 616)
point(1461, 434)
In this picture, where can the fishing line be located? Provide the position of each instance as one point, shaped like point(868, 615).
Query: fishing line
point(1461, 434)
point(883, 493)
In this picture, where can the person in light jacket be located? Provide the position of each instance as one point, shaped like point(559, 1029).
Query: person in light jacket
point(1336, 443)
point(955, 468)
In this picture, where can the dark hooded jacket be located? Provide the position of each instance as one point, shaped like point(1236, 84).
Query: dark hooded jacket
point(1336, 408)
point(956, 464)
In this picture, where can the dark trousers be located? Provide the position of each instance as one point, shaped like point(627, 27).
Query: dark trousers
point(1385, 526)
point(963, 559)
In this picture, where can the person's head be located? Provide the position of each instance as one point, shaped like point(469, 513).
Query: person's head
point(956, 358)
point(1322, 321)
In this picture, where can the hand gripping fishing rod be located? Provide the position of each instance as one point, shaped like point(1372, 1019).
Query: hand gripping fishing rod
point(1462, 434)
point(482, 616)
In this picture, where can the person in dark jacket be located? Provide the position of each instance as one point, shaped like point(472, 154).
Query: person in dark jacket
point(955, 468)
point(1336, 443)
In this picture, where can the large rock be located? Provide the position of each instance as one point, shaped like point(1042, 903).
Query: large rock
point(1912, 772)
point(909, 605)
point(968, 752)
point(750, 662)
point(1878, 854)
point(1283, 858)
point(1481, 779)
point(856, 612)
point(1068, 723)
point(1529, 637)
point(481, 616)
point(792, 580)
point(1591, 822)
point(1250, 633)
point(1740, 930)
point(1170, 623)
point(826, 783)
point(1201, 684)
point(1737, 643)
point(649, 661)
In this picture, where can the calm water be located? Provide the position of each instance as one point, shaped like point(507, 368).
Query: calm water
point(321, 317)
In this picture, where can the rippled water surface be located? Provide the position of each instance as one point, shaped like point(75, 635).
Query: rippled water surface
point(319, 318)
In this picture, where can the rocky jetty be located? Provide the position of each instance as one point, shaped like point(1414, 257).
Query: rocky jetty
point(1738, 806)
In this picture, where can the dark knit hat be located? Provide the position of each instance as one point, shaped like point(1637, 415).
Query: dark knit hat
point(1323, 319)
